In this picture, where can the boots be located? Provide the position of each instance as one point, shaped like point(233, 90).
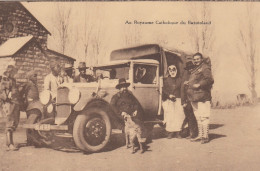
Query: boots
point(205, 138)
point(9, 141)
point(177, 135)
point(170, 135)
point(200, 134)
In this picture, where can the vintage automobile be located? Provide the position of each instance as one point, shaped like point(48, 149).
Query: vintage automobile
point(83, 109)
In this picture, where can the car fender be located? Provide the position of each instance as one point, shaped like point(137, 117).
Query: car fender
point(101, 103)
point(35, 105)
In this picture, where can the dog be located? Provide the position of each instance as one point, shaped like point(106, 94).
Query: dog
point(133, 131)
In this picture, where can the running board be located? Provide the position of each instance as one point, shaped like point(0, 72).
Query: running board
point(46, 127)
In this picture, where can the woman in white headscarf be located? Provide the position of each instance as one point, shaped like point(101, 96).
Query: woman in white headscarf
point(173, 110)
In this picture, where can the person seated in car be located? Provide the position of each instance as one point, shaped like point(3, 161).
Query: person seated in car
point(145, 75)
point(83, 77)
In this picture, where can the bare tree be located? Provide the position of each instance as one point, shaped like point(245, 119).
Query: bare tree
point(96, 43)
point(93, 34)
point(132, 35)
point(87, 29)
point(62, 26)
point(247, 47)
point(202, 34)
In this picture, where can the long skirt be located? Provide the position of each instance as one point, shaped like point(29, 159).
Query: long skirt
point(173, 115)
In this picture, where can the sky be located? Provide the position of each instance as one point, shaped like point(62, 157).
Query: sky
point(106, 23)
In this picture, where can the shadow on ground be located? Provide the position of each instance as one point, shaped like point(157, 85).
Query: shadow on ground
point(117, 140)
point(158, 133)
point(215, 126)
point(215, 136)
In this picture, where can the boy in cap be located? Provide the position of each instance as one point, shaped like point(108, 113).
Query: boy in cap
point(66, 74)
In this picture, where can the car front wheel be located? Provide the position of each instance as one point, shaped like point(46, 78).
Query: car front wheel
point(92, 130)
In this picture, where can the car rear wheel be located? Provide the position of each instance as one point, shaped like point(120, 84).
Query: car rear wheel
point(92, 130)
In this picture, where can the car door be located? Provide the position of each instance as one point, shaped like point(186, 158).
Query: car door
point(145, 87)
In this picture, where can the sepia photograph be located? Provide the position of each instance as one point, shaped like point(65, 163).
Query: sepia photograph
point(129, 85)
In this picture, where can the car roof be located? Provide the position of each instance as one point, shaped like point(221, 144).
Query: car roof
point(122, 62)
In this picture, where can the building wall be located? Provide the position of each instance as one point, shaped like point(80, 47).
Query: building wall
point(24, 24)
point(59, 58)
point(32, 57)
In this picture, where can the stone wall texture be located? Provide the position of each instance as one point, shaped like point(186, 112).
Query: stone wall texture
point(34, 55)
point(23, 23)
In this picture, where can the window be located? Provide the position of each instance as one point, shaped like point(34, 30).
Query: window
point(145, 74)
point(114, 73)
point(9, 27)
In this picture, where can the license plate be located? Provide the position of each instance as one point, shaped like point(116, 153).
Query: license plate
point(43, 127)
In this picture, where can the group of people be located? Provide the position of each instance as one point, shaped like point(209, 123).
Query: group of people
point(186, 99)
point(63, 75)
point(14, 98)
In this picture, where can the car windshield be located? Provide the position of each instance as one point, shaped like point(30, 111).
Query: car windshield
point(113, 72)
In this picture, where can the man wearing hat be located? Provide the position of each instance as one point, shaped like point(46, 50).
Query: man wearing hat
point(83, 77)
point(189, 114)
point(11, 98)
point(69, 72)
point(51, 81)
point(125, 101)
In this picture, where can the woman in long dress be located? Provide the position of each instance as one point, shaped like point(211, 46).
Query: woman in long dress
point(173, 110)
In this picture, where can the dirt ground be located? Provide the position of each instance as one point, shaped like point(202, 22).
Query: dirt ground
point(234, 145)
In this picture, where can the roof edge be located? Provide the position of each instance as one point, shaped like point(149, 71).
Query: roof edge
point(35, 18)
point(60, 54)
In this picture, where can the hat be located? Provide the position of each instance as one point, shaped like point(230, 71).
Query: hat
point(31, 74)
point(189, 65)
point(82, 65)
point(53, 64)
point(10, 67)
point(68, 66)
point(122, 83)
point(5, 73)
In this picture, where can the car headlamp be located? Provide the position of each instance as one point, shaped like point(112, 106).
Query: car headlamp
point(74, 95)
point(102, 93)
point(45, 97)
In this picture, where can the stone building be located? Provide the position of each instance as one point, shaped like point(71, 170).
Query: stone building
point(23, 43)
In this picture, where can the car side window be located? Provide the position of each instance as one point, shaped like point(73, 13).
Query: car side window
point(145, 74)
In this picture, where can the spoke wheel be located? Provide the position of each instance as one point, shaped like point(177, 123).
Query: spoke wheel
point(95, 131)
point(92, 130)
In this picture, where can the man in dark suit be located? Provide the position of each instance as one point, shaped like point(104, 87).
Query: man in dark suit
point(83, 77)
point(189, 114)
point(125, 101)
point(11, 104)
